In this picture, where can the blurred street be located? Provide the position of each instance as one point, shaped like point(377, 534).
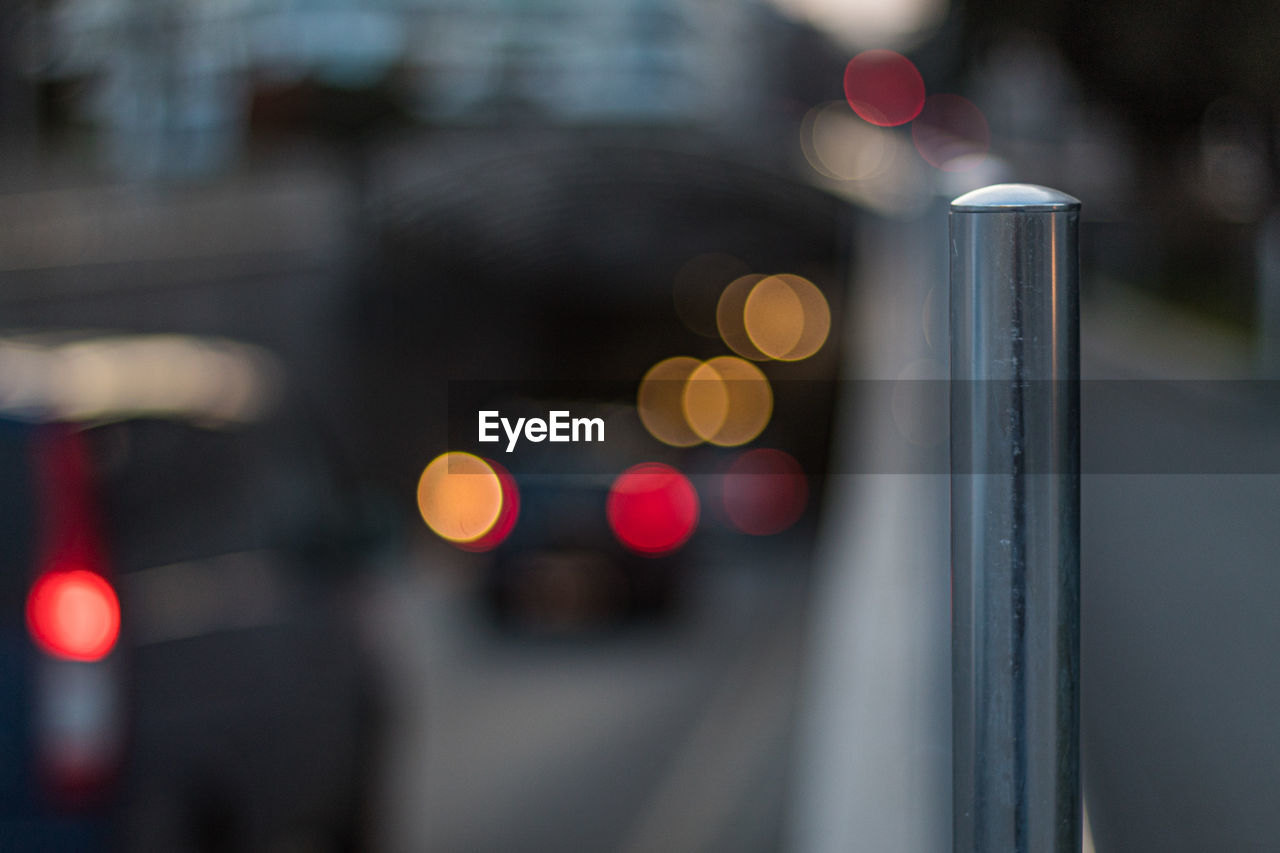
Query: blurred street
point(265, 265)
point(1179, 589)
point(659, 737)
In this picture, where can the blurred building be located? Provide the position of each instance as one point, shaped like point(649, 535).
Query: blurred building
point(170, 84)
point(583, 61)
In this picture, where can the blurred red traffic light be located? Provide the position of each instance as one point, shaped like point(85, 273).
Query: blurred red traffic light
point(884, 87)
point(764, 491)
point(74, 615)
point(506, 520)
point(652, 508)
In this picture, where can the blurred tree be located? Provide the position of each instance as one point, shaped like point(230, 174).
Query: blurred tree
point(1164, 63)
point(1196, 81)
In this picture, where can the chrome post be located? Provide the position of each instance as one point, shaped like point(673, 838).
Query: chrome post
point(1015, 520)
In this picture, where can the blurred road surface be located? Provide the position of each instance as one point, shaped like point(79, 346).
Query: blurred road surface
point(1181, 748)
point(662, 737)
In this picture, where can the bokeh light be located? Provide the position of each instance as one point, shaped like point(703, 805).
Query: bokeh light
point(697, 288)
point(899, 186)
point(459, 496)
point(652, 508)
point(786, 317)
point(764, 491)
point(748, 401)
point(74, 614)
point(507, 515)
point(773, 317)
point(726, 401)
point(660, 402)
point(705, 401)
point(951, 133)
point(730, 317)
point(884, 87)
point(840, 146)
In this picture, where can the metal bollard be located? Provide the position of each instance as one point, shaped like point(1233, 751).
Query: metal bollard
point(1015, 520)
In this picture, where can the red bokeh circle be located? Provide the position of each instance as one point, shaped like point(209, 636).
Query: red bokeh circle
point(507, 515)
point(74, 614)
point(765, 491)
point(652, 508)
point(884, 87)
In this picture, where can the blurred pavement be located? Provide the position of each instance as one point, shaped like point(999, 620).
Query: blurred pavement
point(663, 737)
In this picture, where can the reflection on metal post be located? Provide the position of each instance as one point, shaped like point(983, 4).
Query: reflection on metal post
point(1015, 520)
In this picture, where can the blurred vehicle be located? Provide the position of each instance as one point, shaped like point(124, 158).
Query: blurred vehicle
point(564, 568)
point(182, 659)
point(60, 736)
point(595, 533)
point(571, 537)
point(590, 534)
point(547, 266)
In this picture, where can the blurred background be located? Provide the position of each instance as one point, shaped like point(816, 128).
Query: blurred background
point(263, 261)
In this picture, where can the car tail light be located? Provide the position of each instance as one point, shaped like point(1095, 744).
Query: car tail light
point(507, 516)
point(73, 617)
point(72, 611)
point(764, 491)
point(652, 508)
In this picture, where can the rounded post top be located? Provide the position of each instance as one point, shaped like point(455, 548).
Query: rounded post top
point(1002, 198)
